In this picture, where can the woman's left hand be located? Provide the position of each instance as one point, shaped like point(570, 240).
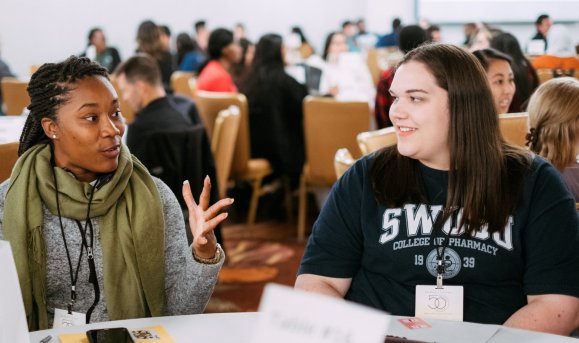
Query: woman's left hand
point(203, 219)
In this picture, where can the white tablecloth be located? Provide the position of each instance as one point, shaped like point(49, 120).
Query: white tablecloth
point(11, 128)
point(238, 327)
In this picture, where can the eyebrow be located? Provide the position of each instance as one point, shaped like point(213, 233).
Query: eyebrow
point(94, 104)
point(91, 104)
point(502, 74)
point(410, 91)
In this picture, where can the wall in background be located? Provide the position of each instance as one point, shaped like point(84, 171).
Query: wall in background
point(506, 11)
point(38, 31)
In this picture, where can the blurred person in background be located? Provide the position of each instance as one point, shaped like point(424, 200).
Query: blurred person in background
point(189, 54)
point(434, 34)
point(554, 121)
point(97, 50)
point(239, 32)
point(275, 110)
point(345, 75)
point(560, 55)
point(4, 72)
point(149, 42)
point(500, 77)
point(305, 48)
point(469, 30)
point(165, 37)
point(214, 73)
point(350, 30)
point(202, 34)
point(240, 69)
point(390, 39)
point(526, 79)
point(364, 39)
point(542, 25)
point(483, 36)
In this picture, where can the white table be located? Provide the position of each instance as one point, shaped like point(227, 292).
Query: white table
point(11, 128)
point(238, 327)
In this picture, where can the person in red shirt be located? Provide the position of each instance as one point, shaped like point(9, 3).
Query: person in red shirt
point(223, 51)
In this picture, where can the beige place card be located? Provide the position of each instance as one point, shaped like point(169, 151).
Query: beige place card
point(439, 303)
point(289, 316)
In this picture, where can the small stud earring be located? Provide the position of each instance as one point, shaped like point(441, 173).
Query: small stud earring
point(53, 136)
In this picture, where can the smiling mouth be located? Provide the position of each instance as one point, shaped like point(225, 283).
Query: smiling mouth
point(405, 129)
point(504, 103)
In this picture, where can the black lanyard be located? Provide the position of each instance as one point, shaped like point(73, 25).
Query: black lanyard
point(437, 227)
point(84, 245)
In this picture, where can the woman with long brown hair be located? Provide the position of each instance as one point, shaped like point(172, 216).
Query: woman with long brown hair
point(451, 208)
point(149, 42)
point(554, 120)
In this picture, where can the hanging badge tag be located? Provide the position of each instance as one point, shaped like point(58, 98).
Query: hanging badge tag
point(63, 319)
point(439, 303)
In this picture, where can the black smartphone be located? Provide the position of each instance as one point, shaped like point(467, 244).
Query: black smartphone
point(111, 335)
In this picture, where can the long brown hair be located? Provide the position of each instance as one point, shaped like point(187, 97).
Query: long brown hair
point(149, 40)
point(486, 175)
point(553, 114)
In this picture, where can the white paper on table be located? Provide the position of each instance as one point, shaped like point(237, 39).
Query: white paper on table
point(13, 327)
point(443, 331)
point(289, 315)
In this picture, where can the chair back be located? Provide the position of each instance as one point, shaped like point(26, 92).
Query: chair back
point(193, 87)
point(544, 74)
point(223, 145)
point(209, 105)
point(343, 160)
point(8, 156)
point(328, 126)
point(514, 127)
point(180, 83)
point(126, 109)
point(176, 155)
point(14, 95)
point(374, 65)
point(33, 68)
point(371, 141)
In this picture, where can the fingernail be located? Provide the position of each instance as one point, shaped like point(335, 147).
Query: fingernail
point(225, 214)
point(185, 182)
point(231, 200)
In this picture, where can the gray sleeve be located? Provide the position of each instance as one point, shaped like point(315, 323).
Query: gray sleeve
point(3, 189)
point(188, 284)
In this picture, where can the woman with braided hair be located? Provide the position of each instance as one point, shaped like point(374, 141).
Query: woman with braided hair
point(554, 120)
point(95, 237)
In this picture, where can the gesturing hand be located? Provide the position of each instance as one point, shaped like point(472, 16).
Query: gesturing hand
point(203, 220)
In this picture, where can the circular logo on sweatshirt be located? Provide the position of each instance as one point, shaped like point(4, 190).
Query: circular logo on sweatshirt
point(450, 261)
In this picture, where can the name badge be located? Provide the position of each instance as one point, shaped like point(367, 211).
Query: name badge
point(439, 303)
point(63, 319)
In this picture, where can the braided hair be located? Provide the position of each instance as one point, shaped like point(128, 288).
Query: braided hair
point(48, 90)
